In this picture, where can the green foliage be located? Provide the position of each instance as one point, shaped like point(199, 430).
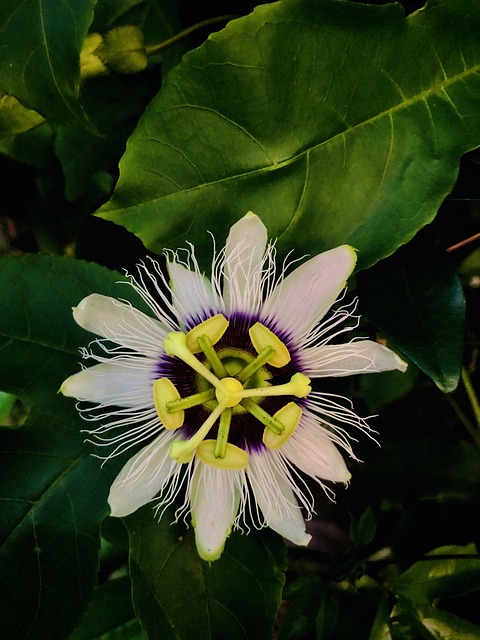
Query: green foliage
point(416, 300)
point(53, 491)
point(336, 122)
point(41, 44)
point(320, 125)
point(178, 595)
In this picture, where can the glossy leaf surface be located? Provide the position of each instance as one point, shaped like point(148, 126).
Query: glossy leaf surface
point(40, 44)
point(416, 300)
point(334, 121)
point(50, 512)
point(178, 595)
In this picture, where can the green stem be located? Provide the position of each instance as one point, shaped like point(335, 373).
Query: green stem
point(472, 396)
point(153, 49)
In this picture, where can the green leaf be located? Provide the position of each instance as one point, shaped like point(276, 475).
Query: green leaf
point(333, 121)
point(304, 597)
point(431, 469)
point(15, 118)
point(7, 401)
point(53, 493)
point(179, 596)
point(379, 391)
point(84, 155)
point(110, 615)
point(40, 44)
point(363, 530)
point(381, 628)
point(416, 301)
point(445, 572)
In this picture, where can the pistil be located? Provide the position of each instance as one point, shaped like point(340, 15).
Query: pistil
point(229, 391)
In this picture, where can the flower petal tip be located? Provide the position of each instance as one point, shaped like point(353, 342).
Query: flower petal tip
point(211, 552)
point(401, 364)
point(120, 505)
point(304, 542)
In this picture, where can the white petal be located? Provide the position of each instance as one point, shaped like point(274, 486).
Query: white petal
point(143, 476)
point(244, 258)
point(301, 300)
point(276, 499)
point(347, 359)
point(118, 382)
point(121, 323)
point(192, 294)
point(214, 503)
point(312, 451)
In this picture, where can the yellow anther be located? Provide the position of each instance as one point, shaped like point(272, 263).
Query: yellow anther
point(230, 392)
point(164, 392)
point(289, 416)
point(234, 458)
point(262, 337)
point(213, 328)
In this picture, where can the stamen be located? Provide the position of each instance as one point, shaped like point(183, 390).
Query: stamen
point(191, 401)
point(289, 416)
point(299, 386)
point(230, 393)
point(165, 392)
point(262, 337)
point(175, 344)
point(212, 356)
point(182, 450)
point(223, 430)
point(213, 328)
point(260, 414)
point(255, 364)
point(234, 458)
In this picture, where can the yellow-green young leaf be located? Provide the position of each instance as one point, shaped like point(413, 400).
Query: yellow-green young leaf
point(15, 118)
point(334, 121)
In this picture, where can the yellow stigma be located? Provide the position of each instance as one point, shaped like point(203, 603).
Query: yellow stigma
point(233, 458)
point(213, 328)
point(289, 416)
point(165, 392)
point(262, 337)
point(230, 393)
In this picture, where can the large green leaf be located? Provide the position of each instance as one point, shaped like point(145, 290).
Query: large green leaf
point(416, 300)
point(52, 492)
point(179, 596)
point(334, 121)
point(445, 572)
point(39, 64)
point(110, 615)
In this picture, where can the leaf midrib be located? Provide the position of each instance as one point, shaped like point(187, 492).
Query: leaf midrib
point(388, 113)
